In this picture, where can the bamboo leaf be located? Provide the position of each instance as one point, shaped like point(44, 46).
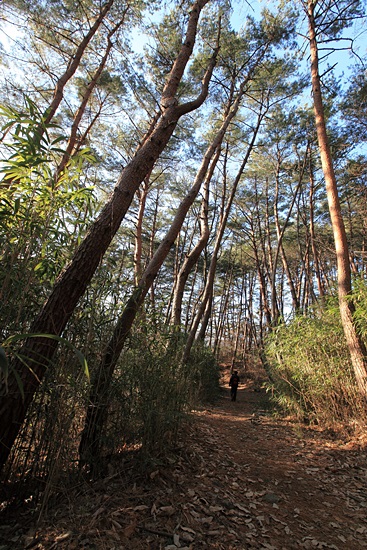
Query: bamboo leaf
point(20, 383)
point(79, 355)
point(4, 366)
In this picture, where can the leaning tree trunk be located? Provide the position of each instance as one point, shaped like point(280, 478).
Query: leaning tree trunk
point(37, 353)
point(70, 148)
point(356, 346)
point(74, 63)
point(193, 256)
point(96, 414)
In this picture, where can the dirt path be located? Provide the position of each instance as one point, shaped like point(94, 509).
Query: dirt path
point(288, 486)
point(242, 480)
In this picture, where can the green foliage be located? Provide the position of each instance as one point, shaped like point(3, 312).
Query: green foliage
point(40, 221)
point(110, 84)
point(310, 368)
point(153, 391)
point(203, 373)
point(360, 306)
point(30, 145)
point(354, 105)
point(8, 350)
point(168, 34)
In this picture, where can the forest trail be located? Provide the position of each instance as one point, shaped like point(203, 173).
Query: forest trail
point(243, 479)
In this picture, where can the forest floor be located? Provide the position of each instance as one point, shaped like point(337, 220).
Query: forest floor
point(240, 479)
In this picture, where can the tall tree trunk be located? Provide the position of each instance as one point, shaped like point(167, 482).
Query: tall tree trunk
point(192, 258)
point(315, 254)
point(221, 311)
point(269, 264)
point(74, 63)
point(200, 317)
point(142, 194)
point(70, 148)
point(239, 323)
point(73, 281)
point(280, 249)
point(356, 346)
point(262, 271)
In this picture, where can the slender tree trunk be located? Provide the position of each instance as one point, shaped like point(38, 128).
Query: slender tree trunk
point(151, 246)
point(192, 300)
point(269, 262)
point(239, 323)
point(356, 346)
point(210, 279)
point(192, 258)
point(315, 254)
point(260, 267)
point(142, 194)
point(81, 109)
point(73, 281)
point(280, 249)
point(74, 63)
point(220, 314)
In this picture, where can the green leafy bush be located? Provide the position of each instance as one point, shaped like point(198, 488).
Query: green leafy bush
point(42, 212)
point(311, 371)
point(153, 392)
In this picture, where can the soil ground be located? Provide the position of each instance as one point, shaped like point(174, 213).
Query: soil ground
point(240, 479)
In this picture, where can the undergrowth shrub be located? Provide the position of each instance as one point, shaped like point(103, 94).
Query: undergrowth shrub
point(153, 392)
point(149, 398)
point(312, 376)
point(203, 375)
point(360, 305)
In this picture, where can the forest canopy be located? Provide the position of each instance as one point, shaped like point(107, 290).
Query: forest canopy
point(181, 184)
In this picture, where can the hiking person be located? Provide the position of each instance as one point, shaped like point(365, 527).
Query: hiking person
point(233, 382)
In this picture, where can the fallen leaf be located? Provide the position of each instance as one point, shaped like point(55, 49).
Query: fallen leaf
point(116, 524)
point(216, 509)
point(62, 537)
point(188, 530)
point(206, 519)
point(129, 530)
point(141, 508)
point(98, 512)
point(242, 508)
point(167, 510)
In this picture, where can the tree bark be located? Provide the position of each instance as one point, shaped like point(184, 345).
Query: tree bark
point(74, 64)
point(73, 281)
point(356, 346)
point(70, 148)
